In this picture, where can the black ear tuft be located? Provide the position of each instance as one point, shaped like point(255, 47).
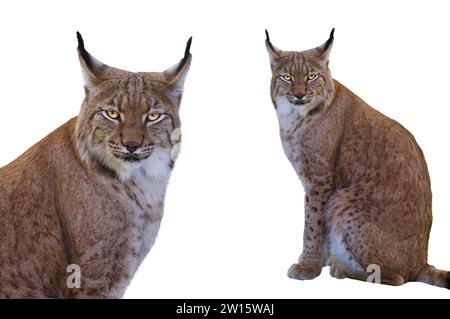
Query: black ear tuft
point(188, 48)
point(84, 54)
point(80, 41)
point(329, 41)
point(267, 36)
point(187, 54)
point(274, 50)
point(176, 74)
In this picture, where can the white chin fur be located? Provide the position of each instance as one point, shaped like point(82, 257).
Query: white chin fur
point(156, 166)
point(284, 107)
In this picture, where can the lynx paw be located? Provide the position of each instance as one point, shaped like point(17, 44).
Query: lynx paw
point(302, 271)
point(337, 271)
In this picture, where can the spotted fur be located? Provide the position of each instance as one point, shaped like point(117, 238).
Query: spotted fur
point(368, 196)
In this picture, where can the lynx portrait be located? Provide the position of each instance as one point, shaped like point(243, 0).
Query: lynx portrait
point(91, 194)
point(366, 182)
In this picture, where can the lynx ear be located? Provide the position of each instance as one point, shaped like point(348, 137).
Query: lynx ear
point(176, 75)
point(325, 49)
point(274, 52)
point(91, 68)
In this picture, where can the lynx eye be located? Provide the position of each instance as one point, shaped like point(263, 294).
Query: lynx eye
point(286, 77)
point(153, 116)
point(312, 76)
point(112, 115)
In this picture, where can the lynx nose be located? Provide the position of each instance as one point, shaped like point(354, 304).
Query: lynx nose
point(299, 95)
point(131, 146)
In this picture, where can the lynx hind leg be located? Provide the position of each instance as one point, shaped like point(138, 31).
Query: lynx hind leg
point(339, 271)
point(355, 243)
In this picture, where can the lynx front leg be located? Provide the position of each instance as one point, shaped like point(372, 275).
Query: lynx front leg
point(310, 261)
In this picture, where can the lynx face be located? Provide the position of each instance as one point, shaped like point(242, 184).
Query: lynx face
point(127, 118)
point(300, 80)
point(130, 119)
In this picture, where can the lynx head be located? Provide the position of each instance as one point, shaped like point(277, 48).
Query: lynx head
point(300, 80)
point(127, 119)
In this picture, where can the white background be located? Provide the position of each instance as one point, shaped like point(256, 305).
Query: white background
point(234, 208)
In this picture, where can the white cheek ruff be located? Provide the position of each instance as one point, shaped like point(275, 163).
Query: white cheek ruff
point(287, 113)
point(158, 164)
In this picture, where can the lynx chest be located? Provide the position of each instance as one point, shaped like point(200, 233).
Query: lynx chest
point(304, 143)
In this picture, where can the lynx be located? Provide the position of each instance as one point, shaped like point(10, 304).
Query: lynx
point(88, 199)
point(366, 182)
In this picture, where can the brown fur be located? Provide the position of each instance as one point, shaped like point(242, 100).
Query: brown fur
point(368, 196)
point(73, 198)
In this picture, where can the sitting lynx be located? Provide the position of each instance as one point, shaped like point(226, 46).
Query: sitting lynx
point(91, 194)
point(368, 197)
